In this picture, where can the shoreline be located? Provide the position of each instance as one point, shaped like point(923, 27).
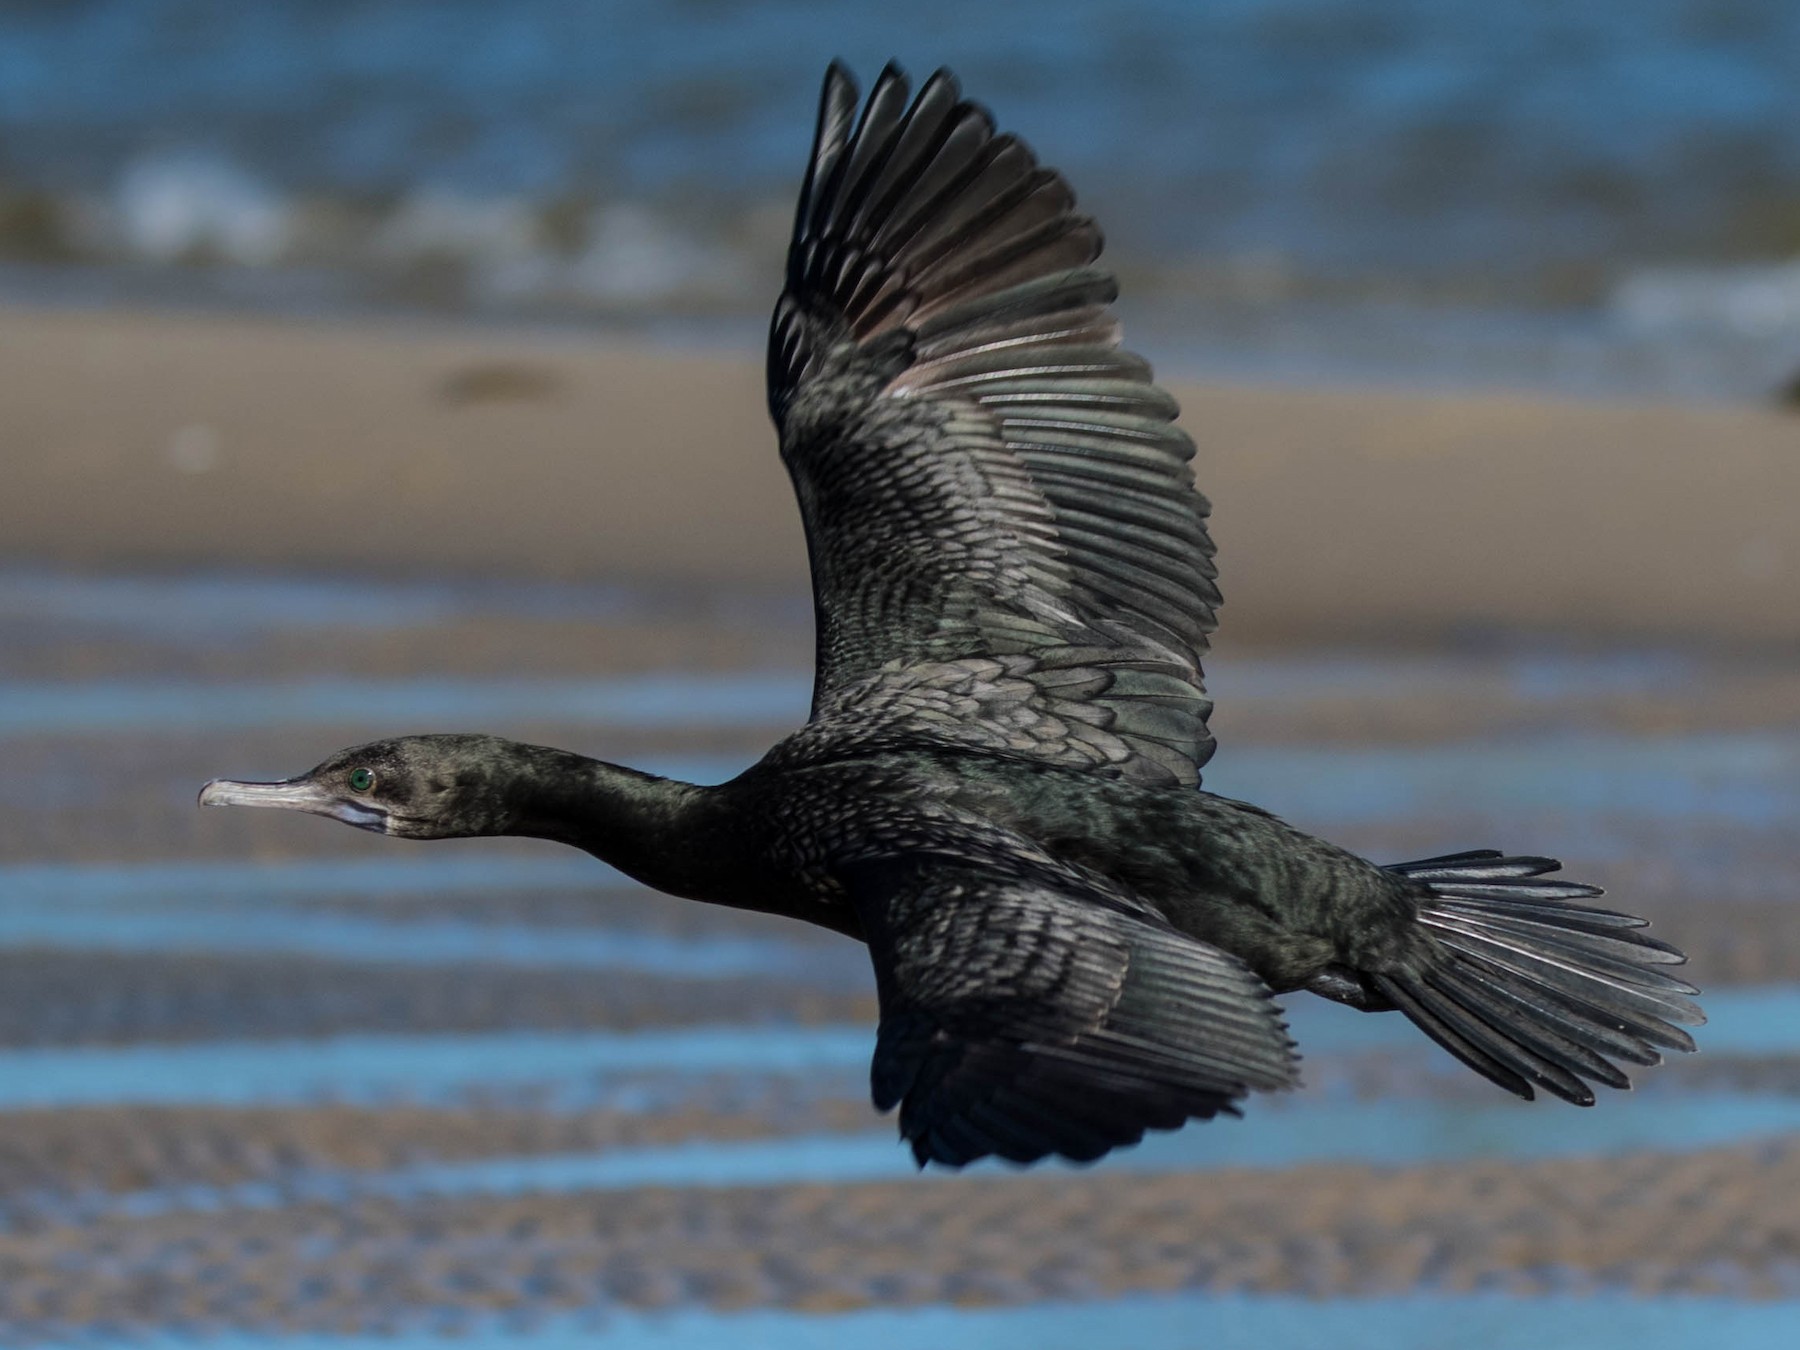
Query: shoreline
point(187, 440)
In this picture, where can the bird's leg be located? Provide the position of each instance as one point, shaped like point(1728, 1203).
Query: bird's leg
point(1342, 985)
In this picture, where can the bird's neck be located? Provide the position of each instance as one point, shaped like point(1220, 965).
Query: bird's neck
point(656, 830)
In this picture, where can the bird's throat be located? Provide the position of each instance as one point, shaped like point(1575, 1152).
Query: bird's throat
point(655, 830)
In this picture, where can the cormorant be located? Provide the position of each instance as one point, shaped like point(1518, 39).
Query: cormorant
point(999, 786)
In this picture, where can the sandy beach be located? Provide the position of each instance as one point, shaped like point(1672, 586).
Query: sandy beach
point(1343, 515)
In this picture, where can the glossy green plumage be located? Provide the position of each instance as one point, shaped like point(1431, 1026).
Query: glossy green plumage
point(999, 786)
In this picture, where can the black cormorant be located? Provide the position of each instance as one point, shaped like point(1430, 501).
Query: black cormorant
point(999, 786)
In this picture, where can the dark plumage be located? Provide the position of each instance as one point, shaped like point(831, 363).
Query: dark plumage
point(999, 786)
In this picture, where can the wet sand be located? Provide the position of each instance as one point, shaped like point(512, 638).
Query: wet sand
point(1542, 1228)
point(266, 1075)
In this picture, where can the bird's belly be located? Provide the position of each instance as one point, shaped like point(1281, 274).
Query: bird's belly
point(1248, 912)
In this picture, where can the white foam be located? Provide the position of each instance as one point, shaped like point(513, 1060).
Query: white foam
point(487, 231)
point(1756, 300)
point(635, 255)
point(178, 204)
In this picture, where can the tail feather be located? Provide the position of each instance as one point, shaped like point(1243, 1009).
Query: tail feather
point(1593, 988)
point(1532, 990)
point(1584, 918)
point(1499, 1059)
point(1488, 864)
point(1586, 1024)
point(1531, 1027)
point(1499, 937)
point(1568, 929)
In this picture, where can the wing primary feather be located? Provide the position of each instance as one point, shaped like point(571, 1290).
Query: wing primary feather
point(981, 469)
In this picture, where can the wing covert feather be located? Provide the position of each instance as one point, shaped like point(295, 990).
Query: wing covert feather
point(1024, 1015)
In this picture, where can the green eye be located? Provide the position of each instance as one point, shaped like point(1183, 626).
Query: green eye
point(362, 780)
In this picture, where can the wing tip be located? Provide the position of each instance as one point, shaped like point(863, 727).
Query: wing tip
point(839, 81)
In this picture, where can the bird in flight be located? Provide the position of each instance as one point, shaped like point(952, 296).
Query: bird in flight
point(999, 786)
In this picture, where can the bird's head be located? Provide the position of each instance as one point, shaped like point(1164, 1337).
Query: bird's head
point(414, 787)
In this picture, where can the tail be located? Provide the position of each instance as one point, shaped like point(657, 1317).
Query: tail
point(1531, 990)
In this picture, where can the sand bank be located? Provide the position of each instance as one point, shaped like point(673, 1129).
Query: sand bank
point(179, 440)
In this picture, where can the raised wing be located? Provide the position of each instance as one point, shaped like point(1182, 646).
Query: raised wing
point(996, 501)
point(1025, 1014)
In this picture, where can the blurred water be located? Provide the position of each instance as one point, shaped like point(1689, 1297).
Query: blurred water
point(671, 699)
point(570, 1067)
point(369, 1068)
point(1218, 1321)
point(195, 606)
point(1581, 193)
point(442, 942)
point(1751, 778)
point(738, 699)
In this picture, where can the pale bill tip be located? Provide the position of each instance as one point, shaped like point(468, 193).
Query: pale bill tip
point(296, 794)
point(230, 792)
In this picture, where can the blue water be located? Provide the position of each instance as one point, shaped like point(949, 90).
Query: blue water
point(1381, 1134)
point(230, 907)
point(235, 605)
point(181, 608)
point(1281, 173)
point(1527, 676)
point(1753, 779)
point(420, 942)
point(177, 607)
point(738, 698)
point(1749, 778)
point(1212, 1321)
point(185, 608)
point(366, 1067)
point(379, 1067)
point(673, 699)
point(1294, 122)
point(451, 870)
